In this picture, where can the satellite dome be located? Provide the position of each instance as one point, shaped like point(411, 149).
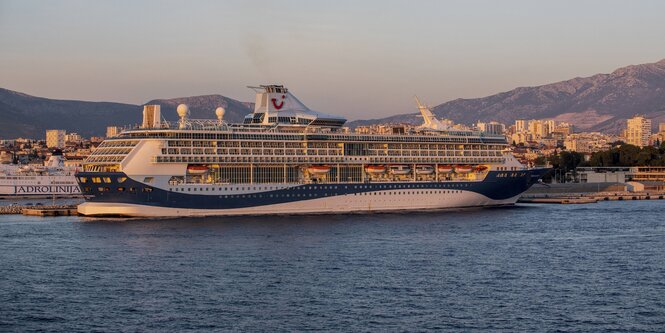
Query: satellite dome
point(220, 112)
point(182, 110)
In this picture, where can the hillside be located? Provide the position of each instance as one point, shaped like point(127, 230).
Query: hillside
point(598, 103)
point(29, 116)
point(23, 115)
point(601, 102)
point(203, 107)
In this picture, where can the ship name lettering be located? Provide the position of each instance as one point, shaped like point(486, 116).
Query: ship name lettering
point(46, 189)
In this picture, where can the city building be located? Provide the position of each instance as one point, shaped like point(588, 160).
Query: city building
point(549, 126)
point(587, 142)
point(638, 131)
point(520, 125)
point(73, 137)
point(657, 139)
point(521, 138)
point(564, 129)
point(492, 127)
point(55, 138)
point(112, 131)
point(538, 128)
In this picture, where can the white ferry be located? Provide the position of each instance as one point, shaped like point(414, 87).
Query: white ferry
point(50, 179)
point(287, 159)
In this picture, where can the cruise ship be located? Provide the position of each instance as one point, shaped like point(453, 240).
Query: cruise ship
point(48, 180)
point(285, 158)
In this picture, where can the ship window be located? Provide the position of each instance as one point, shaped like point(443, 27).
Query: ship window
point(96, 180)
point(83, 179)
point(107, 180)
point(100, 189)
point(120, 189)
point(121, 179)
point(86, 189)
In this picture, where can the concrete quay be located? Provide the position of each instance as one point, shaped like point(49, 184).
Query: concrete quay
point(60, 210)
point(585, 193)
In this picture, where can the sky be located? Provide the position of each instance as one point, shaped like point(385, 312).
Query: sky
point(359, 59)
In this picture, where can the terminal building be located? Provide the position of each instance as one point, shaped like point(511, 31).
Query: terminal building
point(651, 176)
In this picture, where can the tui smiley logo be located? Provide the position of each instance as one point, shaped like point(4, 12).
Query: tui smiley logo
point(281, 103)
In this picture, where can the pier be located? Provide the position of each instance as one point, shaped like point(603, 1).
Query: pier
point(58, 210)
point(590, 197)
point(557, 200)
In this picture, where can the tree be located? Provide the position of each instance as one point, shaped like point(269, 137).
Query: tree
point(566, 161)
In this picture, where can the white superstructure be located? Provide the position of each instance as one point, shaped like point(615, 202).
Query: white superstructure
point(286, 158)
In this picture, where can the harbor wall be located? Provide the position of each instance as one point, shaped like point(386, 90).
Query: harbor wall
point(571, 188)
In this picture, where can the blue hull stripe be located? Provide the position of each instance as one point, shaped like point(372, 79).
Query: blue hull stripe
point(498, 185)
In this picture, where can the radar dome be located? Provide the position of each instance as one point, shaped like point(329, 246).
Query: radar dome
point(220, 112)
point(182, 110)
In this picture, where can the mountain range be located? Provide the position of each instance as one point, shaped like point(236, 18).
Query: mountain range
point(601, 102)
point(23, 115)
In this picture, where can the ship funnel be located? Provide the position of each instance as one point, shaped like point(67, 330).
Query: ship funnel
point(183, 112)
point(276, 105)
point(152, 117)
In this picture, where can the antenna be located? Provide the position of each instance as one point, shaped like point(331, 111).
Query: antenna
point(183, 111)
point(219, 112)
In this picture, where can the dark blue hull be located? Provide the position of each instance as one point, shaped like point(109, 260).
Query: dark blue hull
point(498, 186)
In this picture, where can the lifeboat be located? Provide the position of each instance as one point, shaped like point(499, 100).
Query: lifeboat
point(445, 168)
point(318, 169)
point(463, 168)
point(375, 169)
point(480, 168)
point(424, 169)
point(197, 169)
point(400, 169)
